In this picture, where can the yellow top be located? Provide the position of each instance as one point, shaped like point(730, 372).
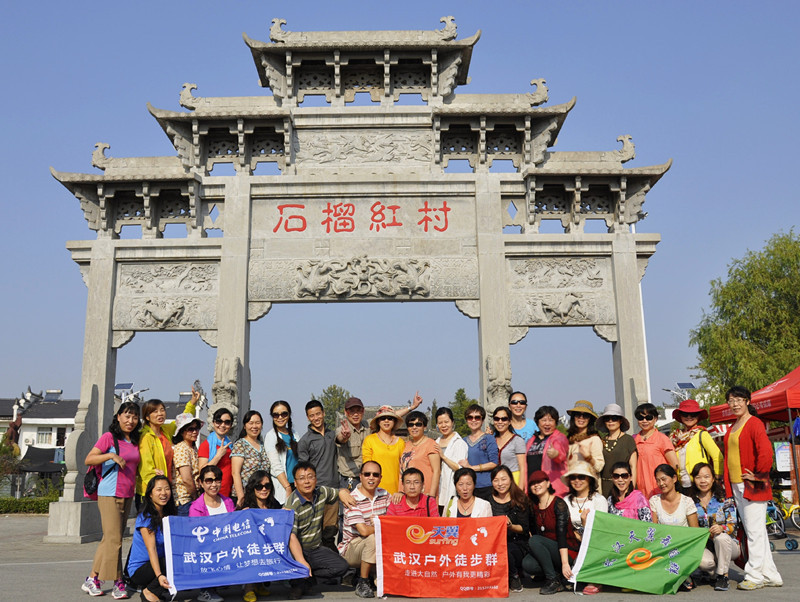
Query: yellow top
point(388, 456)
point(734, 464)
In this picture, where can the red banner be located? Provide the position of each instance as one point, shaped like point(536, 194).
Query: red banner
point(442, 557)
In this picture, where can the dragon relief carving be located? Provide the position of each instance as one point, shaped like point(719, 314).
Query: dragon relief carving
point(559, 273)
point(227, 376)
point(372, 147)
point(363, 277)
point(498, 387)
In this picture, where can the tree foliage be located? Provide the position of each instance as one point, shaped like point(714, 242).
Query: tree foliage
point(751, 334)
point(333, 398)
point(458, 406)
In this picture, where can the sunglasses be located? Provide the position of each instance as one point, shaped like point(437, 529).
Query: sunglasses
point(620, 475)
point(385, 418)
point(690, 414)
point(500, 418)
point(209, 481)
point(578, 477)
point(476, 417)
point(262, 486)
point(280, 414)
point(612, 418)
point(582, 415)
point(414, 424)
point(518, 402)
point(225, 422)
point(645, 417)
point(192, 428)
point(371, 474)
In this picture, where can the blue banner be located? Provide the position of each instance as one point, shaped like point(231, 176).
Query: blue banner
point(248, 546)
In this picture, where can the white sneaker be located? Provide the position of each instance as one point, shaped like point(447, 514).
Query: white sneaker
point(92, 586)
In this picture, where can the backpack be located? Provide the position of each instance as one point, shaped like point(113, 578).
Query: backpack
point(92, 479)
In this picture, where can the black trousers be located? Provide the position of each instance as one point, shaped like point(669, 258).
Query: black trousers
point(146, 577)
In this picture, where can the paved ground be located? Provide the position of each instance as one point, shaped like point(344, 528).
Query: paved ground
point(32, 570)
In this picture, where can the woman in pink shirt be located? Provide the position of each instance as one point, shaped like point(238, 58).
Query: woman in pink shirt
point(653, 449)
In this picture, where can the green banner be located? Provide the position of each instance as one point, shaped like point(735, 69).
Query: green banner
point(642, 556)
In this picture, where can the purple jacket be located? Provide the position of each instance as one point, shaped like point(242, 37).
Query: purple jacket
point(198, 507)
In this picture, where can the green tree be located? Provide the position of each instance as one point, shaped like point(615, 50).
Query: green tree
point(333, 398)
point(9, 459)
point(459, 405)
point(751, 334)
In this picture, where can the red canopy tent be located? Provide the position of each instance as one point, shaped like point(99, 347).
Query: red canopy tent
point(778, 401)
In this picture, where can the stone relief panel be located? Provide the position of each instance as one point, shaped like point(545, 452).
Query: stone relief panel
point(166, 296)
point(365, 148)
point(363, 277)
point(560, 291)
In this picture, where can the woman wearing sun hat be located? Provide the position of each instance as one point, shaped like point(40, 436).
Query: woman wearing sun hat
point(585, 444)
point(618, 445)
point(692, 442)
point(384, 447)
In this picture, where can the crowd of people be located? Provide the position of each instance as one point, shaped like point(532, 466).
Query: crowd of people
point(544, 482)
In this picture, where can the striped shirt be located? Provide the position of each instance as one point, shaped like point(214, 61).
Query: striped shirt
point(308, 515)
point(362, 513)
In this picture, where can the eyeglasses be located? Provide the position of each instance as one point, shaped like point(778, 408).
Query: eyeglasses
point(737, 401)
point(385, 418)
point(500, 418)
point(581, 415)
point(620, 475)
point(578, 477)
point(310, 477)
point(371, 474)
point(209, 481)
point(262, 486)
point(645, 417)
point(414, 424)
point(475, 417)
point(280, 414)
point(517, 402)
point(225, 422)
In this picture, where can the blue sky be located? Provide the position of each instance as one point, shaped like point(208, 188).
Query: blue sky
point(712, 85)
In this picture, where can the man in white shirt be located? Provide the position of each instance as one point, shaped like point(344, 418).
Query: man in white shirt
point(358, 540)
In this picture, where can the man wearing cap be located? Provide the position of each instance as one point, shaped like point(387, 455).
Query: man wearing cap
point(350, 437)
point(692, 442)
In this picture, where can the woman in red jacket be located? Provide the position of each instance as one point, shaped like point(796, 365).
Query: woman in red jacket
point(748, 460)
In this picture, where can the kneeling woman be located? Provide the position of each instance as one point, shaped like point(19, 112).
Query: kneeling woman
point(716, 513)
point(147, 563)
point(553, 545)
point(464, 504)
point(508, 500)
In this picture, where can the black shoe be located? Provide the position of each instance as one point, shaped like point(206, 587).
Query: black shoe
point(515, 584)
point(721, 584)
point(350, 578)
point(363, 590)
point(295, 592)
point(552, 587)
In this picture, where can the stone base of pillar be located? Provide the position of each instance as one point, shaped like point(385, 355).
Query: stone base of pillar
point(73, 522)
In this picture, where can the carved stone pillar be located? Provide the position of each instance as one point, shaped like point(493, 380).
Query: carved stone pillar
point(493, 332)
point(73, 520)
point(629, 350)
point(231, 387)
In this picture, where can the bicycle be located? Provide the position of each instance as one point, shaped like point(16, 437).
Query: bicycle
point(791, 512)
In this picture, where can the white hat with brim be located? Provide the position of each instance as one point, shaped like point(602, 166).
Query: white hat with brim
point(579, 468)
point(185, 419)
point(614, 410)
point(382, 412)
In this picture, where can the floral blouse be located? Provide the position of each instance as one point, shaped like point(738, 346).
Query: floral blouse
point(254, 459)
point(718, 513)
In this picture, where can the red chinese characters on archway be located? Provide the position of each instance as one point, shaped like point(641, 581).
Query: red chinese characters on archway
point(344, 217)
